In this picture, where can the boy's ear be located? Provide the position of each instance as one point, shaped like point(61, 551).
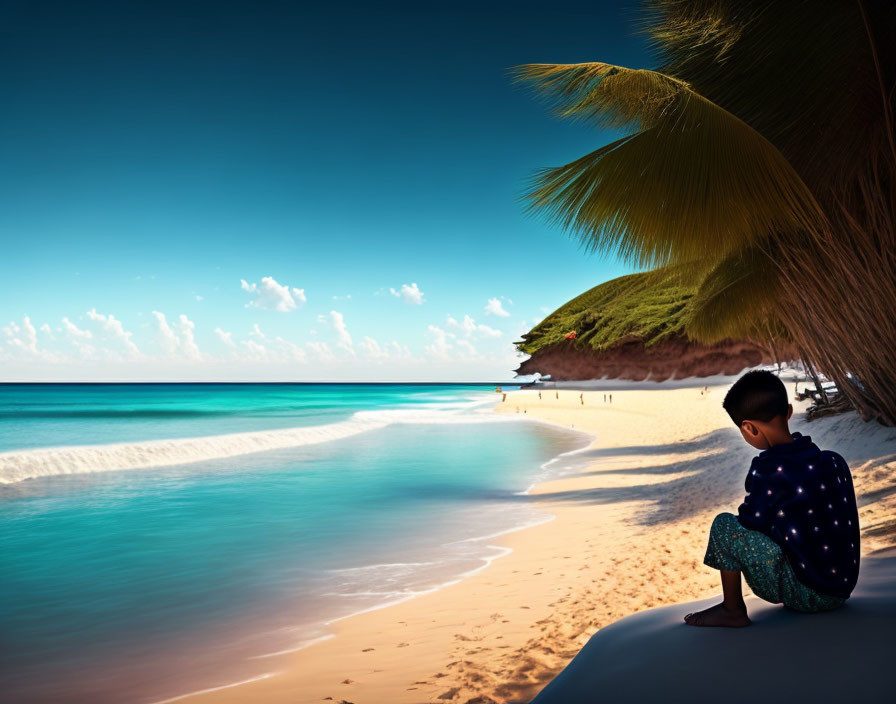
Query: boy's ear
point(789, 410)
point(749, 428)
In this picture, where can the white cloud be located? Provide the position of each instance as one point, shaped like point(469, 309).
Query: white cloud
point(467, 326)
point(113, 330)
point(180, 343)
point(273, 296)
point(487, 331)
point(256, 352)
point(397, 350)
point(21, 342)
point(321, 350)
point(494, 307)
point(389, 350)
point(291, 350)
point(107, 341)
point(409, 294)
point(466, 347)
point(167, 338)
point(76, 336)
point(346, 297)
point(344, 339)
point(225, 337)
point(262, 348)
point(28, 334)
point(187, 341)
point(470, 328)
point(458, 341)
point(440, 348)
point(21, 337)
point(371, 348)
point(74, 331)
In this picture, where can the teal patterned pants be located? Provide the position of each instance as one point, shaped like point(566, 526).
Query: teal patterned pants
point(763, 564)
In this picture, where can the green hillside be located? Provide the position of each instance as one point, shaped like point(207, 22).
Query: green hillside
point(649, 306)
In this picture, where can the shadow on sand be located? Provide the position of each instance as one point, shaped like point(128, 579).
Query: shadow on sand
point(845, 655)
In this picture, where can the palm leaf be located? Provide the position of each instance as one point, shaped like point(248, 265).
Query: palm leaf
point(692, 183)
point(737, 300)
point(801, 73)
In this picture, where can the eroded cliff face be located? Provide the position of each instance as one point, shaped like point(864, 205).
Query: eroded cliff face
point(674, 357)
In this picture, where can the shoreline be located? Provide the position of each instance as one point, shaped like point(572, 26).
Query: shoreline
point(498, 551)
point(605, 554)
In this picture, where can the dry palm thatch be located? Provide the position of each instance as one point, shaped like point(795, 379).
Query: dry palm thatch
point(765, 144)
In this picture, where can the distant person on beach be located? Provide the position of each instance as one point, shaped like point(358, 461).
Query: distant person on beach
point(582, 398)
point(611, 398)
point(796, 536)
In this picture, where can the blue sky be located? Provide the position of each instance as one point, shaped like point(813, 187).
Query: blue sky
point(176, 173)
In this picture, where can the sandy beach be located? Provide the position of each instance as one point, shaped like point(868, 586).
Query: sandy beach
point(628, 534)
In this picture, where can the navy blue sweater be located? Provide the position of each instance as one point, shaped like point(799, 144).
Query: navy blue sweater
point(802, 498)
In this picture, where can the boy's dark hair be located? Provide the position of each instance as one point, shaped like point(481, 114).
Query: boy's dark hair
point(757, 395)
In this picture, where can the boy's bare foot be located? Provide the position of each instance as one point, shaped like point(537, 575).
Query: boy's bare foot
point(719, 615)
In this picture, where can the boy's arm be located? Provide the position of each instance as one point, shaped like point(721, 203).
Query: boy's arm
point(746, 512)
point(759, 510)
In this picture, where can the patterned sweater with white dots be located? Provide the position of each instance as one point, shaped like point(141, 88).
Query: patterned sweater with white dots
point(803, 499)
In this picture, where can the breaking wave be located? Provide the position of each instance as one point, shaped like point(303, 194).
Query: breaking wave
point(18, 465)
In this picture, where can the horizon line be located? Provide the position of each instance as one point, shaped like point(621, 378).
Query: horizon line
point(256, 383)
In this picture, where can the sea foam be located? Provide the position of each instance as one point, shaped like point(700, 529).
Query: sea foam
point(18, 465)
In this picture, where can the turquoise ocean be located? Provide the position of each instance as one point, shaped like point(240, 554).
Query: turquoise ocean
point(160, 539)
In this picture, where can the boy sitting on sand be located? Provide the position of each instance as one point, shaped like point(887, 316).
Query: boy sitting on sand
point(796, 535)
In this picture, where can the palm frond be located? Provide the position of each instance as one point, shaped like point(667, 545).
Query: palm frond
point(737, 300)
point(692, 183)
point(801, 72)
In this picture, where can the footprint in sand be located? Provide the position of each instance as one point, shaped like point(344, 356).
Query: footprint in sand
point(367, 650)
point(402, 645)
